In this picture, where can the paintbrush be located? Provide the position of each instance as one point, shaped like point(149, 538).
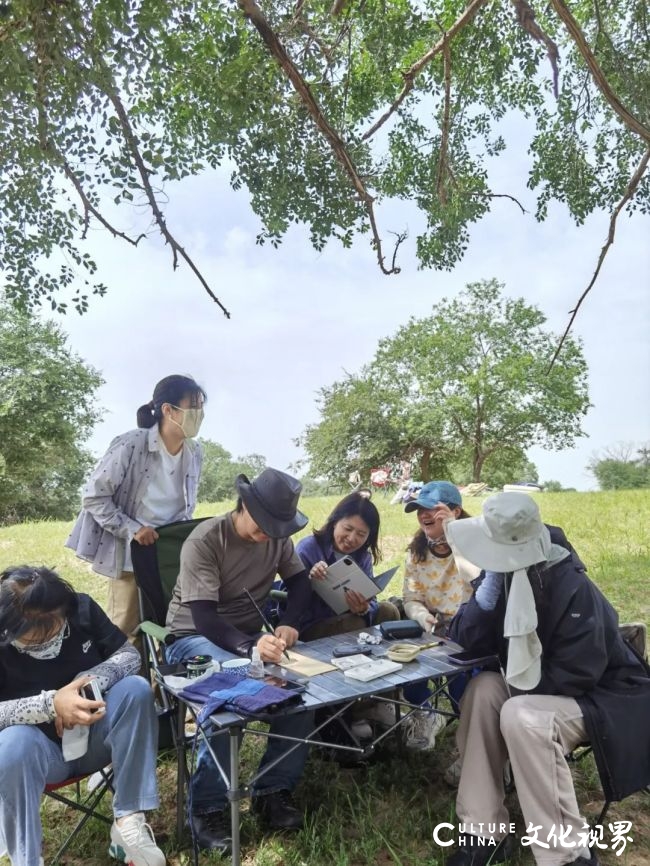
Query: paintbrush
point(267, 624)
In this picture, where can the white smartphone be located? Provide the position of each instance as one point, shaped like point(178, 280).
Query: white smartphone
point(92, 692)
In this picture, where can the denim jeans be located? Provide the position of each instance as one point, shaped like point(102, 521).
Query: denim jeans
point(207, 789)
point(126, 736)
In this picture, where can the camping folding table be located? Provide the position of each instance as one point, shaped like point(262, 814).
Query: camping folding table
point(331, 689)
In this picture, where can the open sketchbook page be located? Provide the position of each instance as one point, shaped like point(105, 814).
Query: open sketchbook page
point(305, 665)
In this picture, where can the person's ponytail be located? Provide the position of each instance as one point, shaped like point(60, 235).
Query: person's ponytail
point(146, 415)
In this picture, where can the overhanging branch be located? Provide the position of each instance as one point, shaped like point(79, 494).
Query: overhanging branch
point(253, 12)
point(511, 197)
point(629, 192)
point(443, 163)
point(526, 19)
point(88, 206)
point(599, 78)
point(414, 70)
point(108, 88)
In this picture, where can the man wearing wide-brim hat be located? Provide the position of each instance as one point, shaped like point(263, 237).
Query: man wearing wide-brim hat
point(223, 559)
point(566, 677)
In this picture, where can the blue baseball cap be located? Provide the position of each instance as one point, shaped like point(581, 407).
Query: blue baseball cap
point(435, 492)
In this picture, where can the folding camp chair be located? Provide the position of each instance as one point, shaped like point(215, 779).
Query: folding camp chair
point(155, 568)
point(380, 479)
point(87, 804)
point(635, 636)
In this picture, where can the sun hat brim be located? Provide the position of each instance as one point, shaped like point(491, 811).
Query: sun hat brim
point(471, 538)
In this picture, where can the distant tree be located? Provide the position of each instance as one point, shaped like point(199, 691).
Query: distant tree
point(47, 412)
point(453, 393)
point(553, 486)
point(621, 467)
point(508, 465)
point(250, 464)
point(220, 471)
point(315, 486)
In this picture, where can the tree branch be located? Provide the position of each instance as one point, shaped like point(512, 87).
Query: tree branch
point(599, 78)
point(109, 89)
point(526, 18)
point(302, 24)
point(444, 138)
point(338, 6)
point(253, 12)
point(414, 70)
point(400, 238)
point(88, 206)
point(50, 149)
point(511, 197)
point(629, 192)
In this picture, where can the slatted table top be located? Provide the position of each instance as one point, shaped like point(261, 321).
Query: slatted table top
point(334, 687)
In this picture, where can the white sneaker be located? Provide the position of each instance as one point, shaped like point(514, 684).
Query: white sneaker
point(421, 728)
point(382, 713)
point(361, 729)
point(133, 842)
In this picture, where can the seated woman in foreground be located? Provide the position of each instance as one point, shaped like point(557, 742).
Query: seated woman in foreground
point(54, 641)
point(352, 529)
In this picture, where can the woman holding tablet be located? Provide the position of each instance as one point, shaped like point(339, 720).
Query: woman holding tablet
point(351, 530)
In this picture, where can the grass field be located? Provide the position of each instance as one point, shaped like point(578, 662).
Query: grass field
point(384, 813)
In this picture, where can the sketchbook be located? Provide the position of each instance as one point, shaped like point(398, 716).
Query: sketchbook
point(304, 665)
point(343, 576)
point(372, 669)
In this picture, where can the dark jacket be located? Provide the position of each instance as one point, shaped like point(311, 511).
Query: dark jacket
point(584, 657)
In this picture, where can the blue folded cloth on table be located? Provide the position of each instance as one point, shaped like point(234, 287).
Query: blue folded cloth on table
point(247, 696)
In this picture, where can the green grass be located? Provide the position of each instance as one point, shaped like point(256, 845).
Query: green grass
point(385, 813)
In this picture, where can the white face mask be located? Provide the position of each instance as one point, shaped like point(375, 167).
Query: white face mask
point(43, 651)
point(191, 423)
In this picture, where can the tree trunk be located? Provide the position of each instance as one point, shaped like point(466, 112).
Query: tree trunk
point(425, 465)
point(477, 464)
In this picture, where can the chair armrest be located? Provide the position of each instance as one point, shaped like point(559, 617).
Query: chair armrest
point(159, 632)
point(279, 594)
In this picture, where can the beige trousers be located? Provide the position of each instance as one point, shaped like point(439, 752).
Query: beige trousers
point(122, 606)
point(535, 732)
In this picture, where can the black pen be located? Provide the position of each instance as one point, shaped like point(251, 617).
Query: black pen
point(268, 625)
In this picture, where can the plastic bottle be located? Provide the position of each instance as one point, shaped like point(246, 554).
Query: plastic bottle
point(256, 669)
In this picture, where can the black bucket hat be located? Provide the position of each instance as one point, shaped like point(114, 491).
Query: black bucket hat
point(272, 501)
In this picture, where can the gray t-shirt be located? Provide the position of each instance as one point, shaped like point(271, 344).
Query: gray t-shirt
point(218, 565)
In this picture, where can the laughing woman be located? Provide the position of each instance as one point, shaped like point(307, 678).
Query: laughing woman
point(148, 477)
point(434, 588)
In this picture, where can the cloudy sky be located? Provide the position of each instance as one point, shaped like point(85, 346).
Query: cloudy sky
point(301, 318)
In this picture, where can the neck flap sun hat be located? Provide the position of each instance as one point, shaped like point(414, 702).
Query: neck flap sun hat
point(434, 493)
point(272, 501)
point(509, 537)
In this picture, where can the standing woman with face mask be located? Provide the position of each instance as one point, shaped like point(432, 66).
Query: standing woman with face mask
point(147, 478)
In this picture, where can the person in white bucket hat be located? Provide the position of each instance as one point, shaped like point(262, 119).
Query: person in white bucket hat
point(566, 677)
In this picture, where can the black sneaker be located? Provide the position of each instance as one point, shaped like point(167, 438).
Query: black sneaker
point(212, 831)
point(278, 811)
point(476, 852)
